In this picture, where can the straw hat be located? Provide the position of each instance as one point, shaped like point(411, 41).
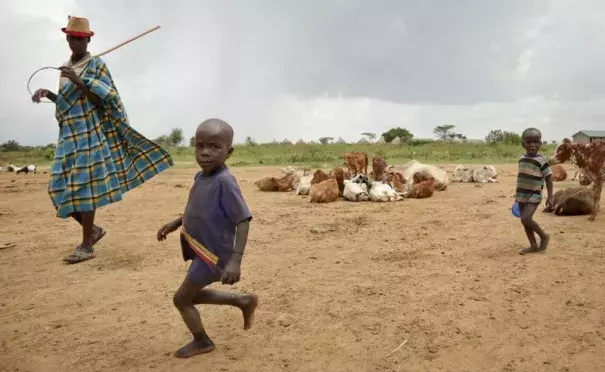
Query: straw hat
point(77, 27)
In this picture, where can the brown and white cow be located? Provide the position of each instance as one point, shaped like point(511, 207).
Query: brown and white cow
point(588, 157)
point(356, 162)
point(395, 180)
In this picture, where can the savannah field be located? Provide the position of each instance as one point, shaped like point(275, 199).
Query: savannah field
point(341, 285)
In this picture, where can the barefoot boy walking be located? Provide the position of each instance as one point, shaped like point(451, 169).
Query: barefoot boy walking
point(214, 234)
point(534, 172)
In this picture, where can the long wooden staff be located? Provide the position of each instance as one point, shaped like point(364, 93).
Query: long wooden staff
point(128, 41)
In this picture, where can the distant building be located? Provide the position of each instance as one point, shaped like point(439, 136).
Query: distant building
point(341, 141)
point(587, 136)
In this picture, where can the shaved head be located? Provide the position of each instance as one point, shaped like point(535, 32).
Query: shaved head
point(531, 132)
point(217, 127)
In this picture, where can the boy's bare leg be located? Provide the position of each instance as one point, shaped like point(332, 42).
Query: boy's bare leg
point(183, 300)
point(190, 294)
point(247, 303)
point(531, 227)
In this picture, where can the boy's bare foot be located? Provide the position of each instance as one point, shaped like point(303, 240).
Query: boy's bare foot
point(532, 249)
point(544, 242)
point(248, 309)
point(194, 348)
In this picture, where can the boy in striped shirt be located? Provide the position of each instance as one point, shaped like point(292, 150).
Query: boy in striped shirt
point(534, 172)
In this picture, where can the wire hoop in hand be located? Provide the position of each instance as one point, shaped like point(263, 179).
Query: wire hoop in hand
point(32, 75)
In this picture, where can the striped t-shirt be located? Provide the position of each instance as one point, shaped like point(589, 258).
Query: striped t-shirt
point(533, 169)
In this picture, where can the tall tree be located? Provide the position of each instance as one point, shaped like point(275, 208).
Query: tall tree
point(326, 140)
point(444, 132)
point(369, 136)
point(175, 137)
point(403, 134)
point(250, 141)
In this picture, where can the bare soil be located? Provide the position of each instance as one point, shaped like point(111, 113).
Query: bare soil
point(340, 285)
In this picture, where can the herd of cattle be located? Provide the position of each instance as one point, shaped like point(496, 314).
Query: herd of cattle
point(383, 184)
point(416, 180)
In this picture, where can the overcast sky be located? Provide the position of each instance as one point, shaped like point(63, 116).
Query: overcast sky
point(307, 69)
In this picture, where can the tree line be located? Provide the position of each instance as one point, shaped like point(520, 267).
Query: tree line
point(442, 132)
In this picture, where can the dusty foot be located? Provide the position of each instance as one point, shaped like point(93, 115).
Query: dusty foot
point(97, 234)
point(194, 348)
point(532, 249)
point(81, 254)
point(248, 310)
point(544, 242)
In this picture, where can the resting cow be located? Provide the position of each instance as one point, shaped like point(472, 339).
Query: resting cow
point(588, 157)
point(572, 201)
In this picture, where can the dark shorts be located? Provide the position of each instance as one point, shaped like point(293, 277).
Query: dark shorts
point(202, 273)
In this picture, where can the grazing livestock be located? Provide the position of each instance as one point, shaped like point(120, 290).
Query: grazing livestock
point(379, 166)
point(381, 192)
point(422, 189)
point(276, 184)
point(324, 192)
point(12, 168)
point(356, 162)
point(439, 175)
point(304, 185)
point(355, 191)
point(590, 158)
point(27, 169)
point(572, 201)
point(319, 176)
point(558, 172)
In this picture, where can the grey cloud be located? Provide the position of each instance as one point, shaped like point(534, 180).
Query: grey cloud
point(264, 65)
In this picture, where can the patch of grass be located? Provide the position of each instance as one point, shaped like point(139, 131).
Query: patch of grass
point(320, 155)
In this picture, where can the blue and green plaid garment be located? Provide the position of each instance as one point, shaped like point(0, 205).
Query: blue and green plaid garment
point(99, 156)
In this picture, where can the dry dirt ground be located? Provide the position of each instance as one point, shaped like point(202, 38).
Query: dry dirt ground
point(340, 285)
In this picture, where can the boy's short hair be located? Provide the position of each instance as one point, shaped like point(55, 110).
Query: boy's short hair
point(530, 131)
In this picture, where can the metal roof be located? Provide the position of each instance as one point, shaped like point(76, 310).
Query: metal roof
point(592, 133)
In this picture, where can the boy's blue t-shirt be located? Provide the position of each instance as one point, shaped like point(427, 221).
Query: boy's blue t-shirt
point(214, 209)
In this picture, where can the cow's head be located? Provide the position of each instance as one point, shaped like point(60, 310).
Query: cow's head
point(562, 152)
point(361, 178)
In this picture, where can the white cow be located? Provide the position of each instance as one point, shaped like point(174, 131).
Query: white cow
point(414, 166)
point(381, 192)
point(304, 184)
point(486, 174)
point(355, 191)
point(462, 173)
